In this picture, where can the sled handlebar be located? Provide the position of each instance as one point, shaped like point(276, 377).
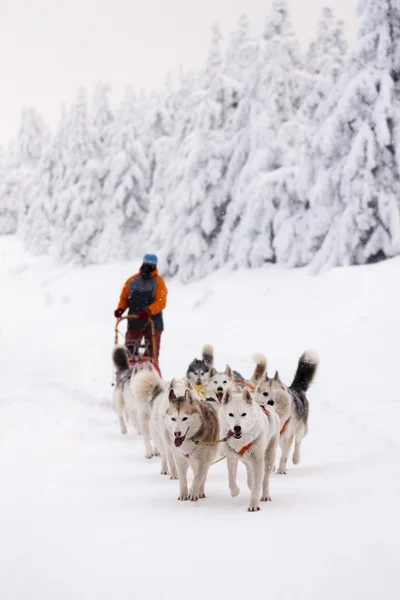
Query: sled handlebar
point(149, 320)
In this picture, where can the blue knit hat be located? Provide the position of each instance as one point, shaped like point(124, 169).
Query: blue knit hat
point(150, 259)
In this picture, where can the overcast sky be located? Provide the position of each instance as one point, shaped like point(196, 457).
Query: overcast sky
point(50, 47)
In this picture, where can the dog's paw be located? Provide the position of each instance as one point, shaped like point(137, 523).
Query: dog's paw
point(164, 472)
point(281, 472)
point(124, 430)
point(253, 507)
point(202, 495)
point(183, 497)
point(296, 458)
point(148, 455)
point(235, 491)
point(174, 477)
point(266, 498)
point(194, 496)
point(156, 453)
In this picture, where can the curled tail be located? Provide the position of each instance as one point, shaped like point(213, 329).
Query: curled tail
point(146, 386)
point(260, 368)
point(306, 370)
point(120, 358)
point(208, 355)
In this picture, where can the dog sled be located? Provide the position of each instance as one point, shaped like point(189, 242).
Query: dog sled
point(140, 352)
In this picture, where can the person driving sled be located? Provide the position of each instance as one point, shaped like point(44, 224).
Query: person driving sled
point(145, 295)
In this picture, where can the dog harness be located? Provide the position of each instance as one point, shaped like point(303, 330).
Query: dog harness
point(124, 376)
point(245, 448)
point(282, 431)
point(267, 412)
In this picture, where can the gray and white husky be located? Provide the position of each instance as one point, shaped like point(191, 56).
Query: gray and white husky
point(152, 398)
point(199, 369)
point(123, 398)
point(193, 425)
point(251, 437)
point(291, 404)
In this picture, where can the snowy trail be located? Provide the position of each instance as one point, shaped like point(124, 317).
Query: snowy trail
point(84, 515)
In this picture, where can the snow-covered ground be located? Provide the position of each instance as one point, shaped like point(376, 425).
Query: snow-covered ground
point(84, 516)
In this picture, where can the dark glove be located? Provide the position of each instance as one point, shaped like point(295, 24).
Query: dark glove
point(118, 313)
point(144, 314)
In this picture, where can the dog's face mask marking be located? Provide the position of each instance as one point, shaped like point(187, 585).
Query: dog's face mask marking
point(272, 393)
point(199, 372)
point(182, 416)
point(219, 383)
point(237, 412)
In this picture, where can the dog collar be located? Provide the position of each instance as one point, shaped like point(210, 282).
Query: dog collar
point(265, 410)
point(282, 431)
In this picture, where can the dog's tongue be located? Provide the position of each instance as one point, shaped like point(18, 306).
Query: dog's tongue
point(220, 395)
point(179, 441)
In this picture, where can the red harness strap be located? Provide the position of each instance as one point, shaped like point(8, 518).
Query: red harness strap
point(282, 431)
point(265, 410)
point(245, 448)
point(248, 385)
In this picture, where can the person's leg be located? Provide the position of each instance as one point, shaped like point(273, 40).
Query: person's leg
point(149, 342)
point(133, 338)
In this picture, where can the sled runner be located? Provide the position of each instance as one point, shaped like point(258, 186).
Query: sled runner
point(140, 352)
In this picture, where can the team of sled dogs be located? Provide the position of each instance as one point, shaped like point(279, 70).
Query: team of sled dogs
point(190, 422)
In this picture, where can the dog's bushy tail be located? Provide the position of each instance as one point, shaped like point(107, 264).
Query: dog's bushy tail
point(260, 368)
point(208, 355)
point(306, 370)
point(146, 386)
point(120, 358)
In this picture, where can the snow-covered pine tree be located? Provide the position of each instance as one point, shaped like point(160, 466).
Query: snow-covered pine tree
point(10, 185)
point(355, 206)
point(197, 201)
point(33, 137)
point(101, 119)
point(126, 187)
point(262, 170)
point(79, 216)
point(169, 175)
point(326, 59)
point(164, 112)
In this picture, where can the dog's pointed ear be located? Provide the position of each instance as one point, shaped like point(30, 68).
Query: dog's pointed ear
point(228, 372)
point(189, 384)
point(276, 376)
point(266, 376)
point(247, 395)
point(213, 371)
point(227, 397)
point(189, 398)
point(171, 395)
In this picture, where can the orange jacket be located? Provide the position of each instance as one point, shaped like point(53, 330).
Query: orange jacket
point(161, 294)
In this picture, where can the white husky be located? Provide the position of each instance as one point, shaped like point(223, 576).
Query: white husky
point(220, 382)
point(251, 436)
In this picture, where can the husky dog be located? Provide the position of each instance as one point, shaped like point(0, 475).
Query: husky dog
point(291, 404)
point(152, 397)
point(199, 369)
point(220, 382)
point(123, 400)
point(252, 437)
point(193, 424)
